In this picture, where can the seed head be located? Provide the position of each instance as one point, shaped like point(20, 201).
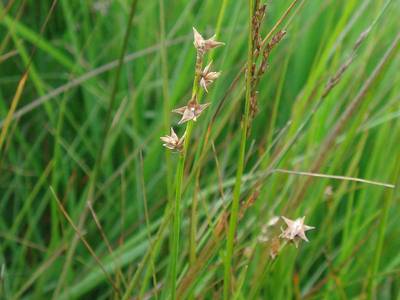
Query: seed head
point(172, 141)
point(207, 77)
point(191, 111)
point(203, 45)
point(295, 230)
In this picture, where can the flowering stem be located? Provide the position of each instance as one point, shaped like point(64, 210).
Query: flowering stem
point(193, 214)
point(166, 108)
point(178, 187)
point(240, 166)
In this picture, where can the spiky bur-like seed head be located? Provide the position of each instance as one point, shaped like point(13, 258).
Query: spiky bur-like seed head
point(295, 231)
point(203, 45)
point(207, 77)
point(191, 111)
point(173, 142)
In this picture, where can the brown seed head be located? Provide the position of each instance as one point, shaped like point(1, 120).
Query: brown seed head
point(207, 77)
point(172, 141)
point(295, 230)
point(203, 45)
point(191, 111)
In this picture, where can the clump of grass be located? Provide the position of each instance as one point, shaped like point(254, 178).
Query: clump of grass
point(308, 128)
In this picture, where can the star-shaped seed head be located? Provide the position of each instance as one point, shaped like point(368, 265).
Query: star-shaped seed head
point(191, 111)
point(207, 77)
point(172, 141)
point(203, 45)
point(295, 230)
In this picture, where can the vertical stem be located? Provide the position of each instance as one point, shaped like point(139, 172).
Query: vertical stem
point(165, 92)
point(193, 225)
point(178, 186)
point(240, 166)
point(193, 213)
point(176, 223)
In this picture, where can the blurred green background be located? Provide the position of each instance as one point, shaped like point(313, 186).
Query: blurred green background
point(50, 149)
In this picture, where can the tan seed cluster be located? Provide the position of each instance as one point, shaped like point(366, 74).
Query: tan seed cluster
point(295, 231)
point(172, 141)
point(203, 45)
point(208, 77)
point(191, 111)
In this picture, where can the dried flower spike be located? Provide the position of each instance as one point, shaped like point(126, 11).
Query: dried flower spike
point(207, 77)
point(203, 45)
point(172, 141)
point(191, 111)
point(295, 230)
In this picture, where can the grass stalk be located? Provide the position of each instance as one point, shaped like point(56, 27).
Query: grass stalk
point(165, 93)
point(233, 219)
point(178, 195)
point(195, 198)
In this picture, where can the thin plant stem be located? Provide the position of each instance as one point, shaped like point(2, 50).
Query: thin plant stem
point(372, 182)
point(166, 118)
point(165, 93)
point(178, 188)
point(194, 204)
point(233, 219)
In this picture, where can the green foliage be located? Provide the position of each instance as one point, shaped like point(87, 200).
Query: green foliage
point(57, 146)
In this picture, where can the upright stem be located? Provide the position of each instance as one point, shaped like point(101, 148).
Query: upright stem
point(166, 102)
point(193, 213)
point(178, 186)
point(240, 166)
